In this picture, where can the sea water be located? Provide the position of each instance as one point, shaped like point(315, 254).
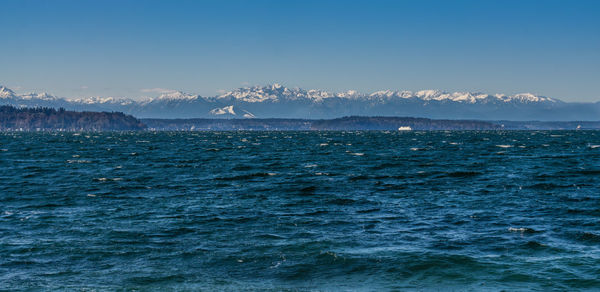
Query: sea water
point(404, 210)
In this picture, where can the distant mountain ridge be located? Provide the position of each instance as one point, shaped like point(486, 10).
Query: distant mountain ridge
point(277, 101)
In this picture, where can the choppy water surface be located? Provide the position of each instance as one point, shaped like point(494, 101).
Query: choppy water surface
point(300, 210)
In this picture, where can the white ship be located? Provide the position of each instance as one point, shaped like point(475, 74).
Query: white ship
point(405, 128)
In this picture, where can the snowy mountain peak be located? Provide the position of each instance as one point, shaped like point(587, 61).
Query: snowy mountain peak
point(257, 93)
point(248, 115)
point(529, 97)
point(94, 100)
point(177, 95)
point(223, 111)
point(277, 93)
point(388, 94)
point(429, 94)
point(276, 100)
point(349, 94)
point(5, 92)
point(41, 96)
point(318, 95)
point(384, 93)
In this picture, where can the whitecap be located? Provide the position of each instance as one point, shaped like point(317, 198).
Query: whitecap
point(78, 161)
point(357, 154)
point(504, 146)
point(520, 229)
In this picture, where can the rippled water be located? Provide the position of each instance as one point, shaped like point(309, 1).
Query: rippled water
point(300, 210)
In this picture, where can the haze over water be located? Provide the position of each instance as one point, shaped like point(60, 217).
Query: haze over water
point(300, 210)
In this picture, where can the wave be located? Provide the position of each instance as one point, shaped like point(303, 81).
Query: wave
point(588, 237)
point(463, 173)
point(247, 176)
point(522, 230)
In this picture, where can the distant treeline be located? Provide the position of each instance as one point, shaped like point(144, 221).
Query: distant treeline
point(45, 119)
point(346, 123)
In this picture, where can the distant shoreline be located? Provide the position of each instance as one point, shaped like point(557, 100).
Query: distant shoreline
point(49, 119)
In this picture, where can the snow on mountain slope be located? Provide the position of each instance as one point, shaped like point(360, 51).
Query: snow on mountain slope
point(223, 111)
point(40, 96)
point(256, 94)
point(528, 97)
point(177, 95)
point(275, 100)
point(248, 115)
point(278, 93)
point(6, 93)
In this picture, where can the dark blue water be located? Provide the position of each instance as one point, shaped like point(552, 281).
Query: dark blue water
point(300, 210)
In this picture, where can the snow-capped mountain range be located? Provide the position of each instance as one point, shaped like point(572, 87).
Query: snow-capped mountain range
point(277, 101)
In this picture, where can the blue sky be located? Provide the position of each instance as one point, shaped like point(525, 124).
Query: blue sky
point(136, 48)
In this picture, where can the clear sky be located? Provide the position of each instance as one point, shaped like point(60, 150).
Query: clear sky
point(137, 48)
